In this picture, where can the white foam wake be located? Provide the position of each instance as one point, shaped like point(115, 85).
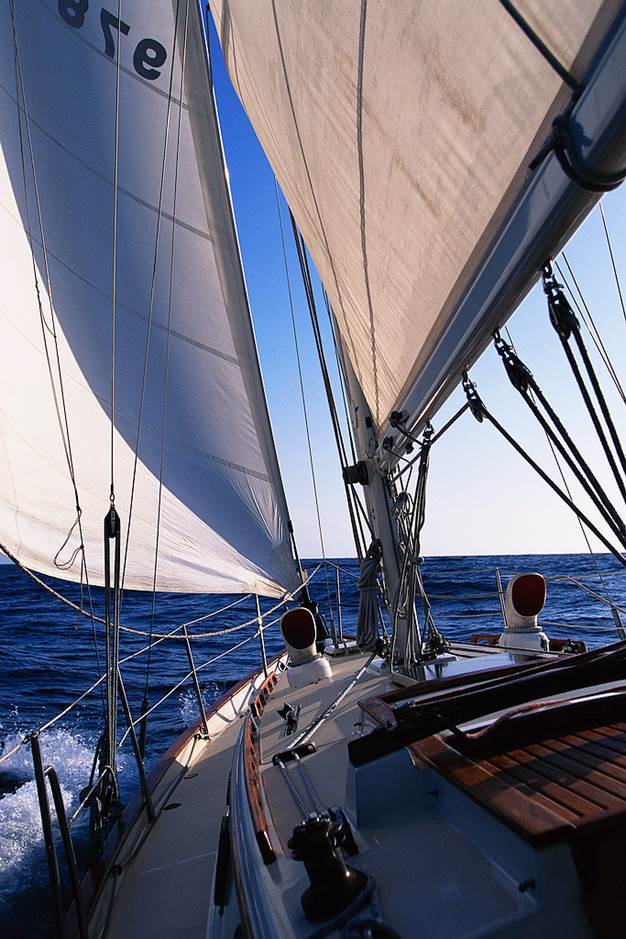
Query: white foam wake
point(188, 702)
point(20, 824)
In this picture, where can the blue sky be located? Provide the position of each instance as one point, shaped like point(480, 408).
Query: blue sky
point(482, 498)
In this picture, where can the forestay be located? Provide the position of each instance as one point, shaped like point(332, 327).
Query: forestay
point(401, 134)
point(179, 297)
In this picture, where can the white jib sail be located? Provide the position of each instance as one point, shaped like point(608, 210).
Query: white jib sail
point(401, 133)
point(67, 69)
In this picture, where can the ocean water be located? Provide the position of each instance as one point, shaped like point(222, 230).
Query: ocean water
point(47, 659)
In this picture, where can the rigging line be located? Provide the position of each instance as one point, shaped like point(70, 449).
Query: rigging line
point(541, 47)
point(339, 359)
point(411, 463)
point(351, 493)
point(568, 490)
point(316, 205)
point(319, 344)
point(566, 325)
point(361, 514)
point(302, 394)
point(169, 336)
point(172, 634)
point(63, 419)
point(116, 170)
point(615, 274)
point(524, 383)
point(155, 259)
point(359, 143)
point(480, 412)
point(594, 333)
point(198, 668)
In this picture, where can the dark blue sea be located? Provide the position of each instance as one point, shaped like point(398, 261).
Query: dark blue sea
point(47, 660)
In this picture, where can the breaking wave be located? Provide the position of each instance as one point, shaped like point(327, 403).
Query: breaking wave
point(21, 838)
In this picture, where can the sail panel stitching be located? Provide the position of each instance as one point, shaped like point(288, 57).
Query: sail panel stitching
point(130, 73)
point(359, 139)
point(155, 264)
point(144, 706)
point(63, 420)
point(318, 212)
point(95, 172)
point(125, 306)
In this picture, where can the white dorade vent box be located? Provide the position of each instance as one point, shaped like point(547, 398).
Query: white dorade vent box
point(525, 599)
point(305, 665)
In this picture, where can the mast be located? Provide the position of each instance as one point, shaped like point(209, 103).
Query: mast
point(378, 502)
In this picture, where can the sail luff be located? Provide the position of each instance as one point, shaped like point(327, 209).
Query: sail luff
point(253, 374)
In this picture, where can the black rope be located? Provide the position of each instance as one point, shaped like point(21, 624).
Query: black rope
point(480, 412)
point(308, 289)
point(524, 382)
point(433, 641)
point(565, 323)
point(586, 316)
point(572, 163)
point(411, 516)
point(540, 45)
point(341, 369)
point(360, 515)
point(583, 530)
point(400, 426)
point(305, 412)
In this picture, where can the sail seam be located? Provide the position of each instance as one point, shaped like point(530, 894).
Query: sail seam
point(124, 306)
point(130, 74)
point(157, 536)
point(155, 265)
point(58, 397)
point(121, 189)
point(329, 256)
point(359, 143)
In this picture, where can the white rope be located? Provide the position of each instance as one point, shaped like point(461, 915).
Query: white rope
point(172, 634)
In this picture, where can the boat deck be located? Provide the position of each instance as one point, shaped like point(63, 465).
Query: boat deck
point(167, 888)
point(423, 819)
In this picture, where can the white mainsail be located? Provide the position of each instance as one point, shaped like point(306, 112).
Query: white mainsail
point(399, 205)
point(204, 429)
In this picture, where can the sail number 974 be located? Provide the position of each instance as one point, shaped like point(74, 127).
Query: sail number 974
point(149, 55)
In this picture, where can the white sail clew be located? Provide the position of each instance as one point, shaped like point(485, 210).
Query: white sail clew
point(399, 205)
point(204, 422)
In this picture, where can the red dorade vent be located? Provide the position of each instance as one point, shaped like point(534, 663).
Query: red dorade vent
point(529, 594)
point(298, 628)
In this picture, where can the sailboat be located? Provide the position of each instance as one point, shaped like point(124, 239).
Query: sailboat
point(435, 158)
